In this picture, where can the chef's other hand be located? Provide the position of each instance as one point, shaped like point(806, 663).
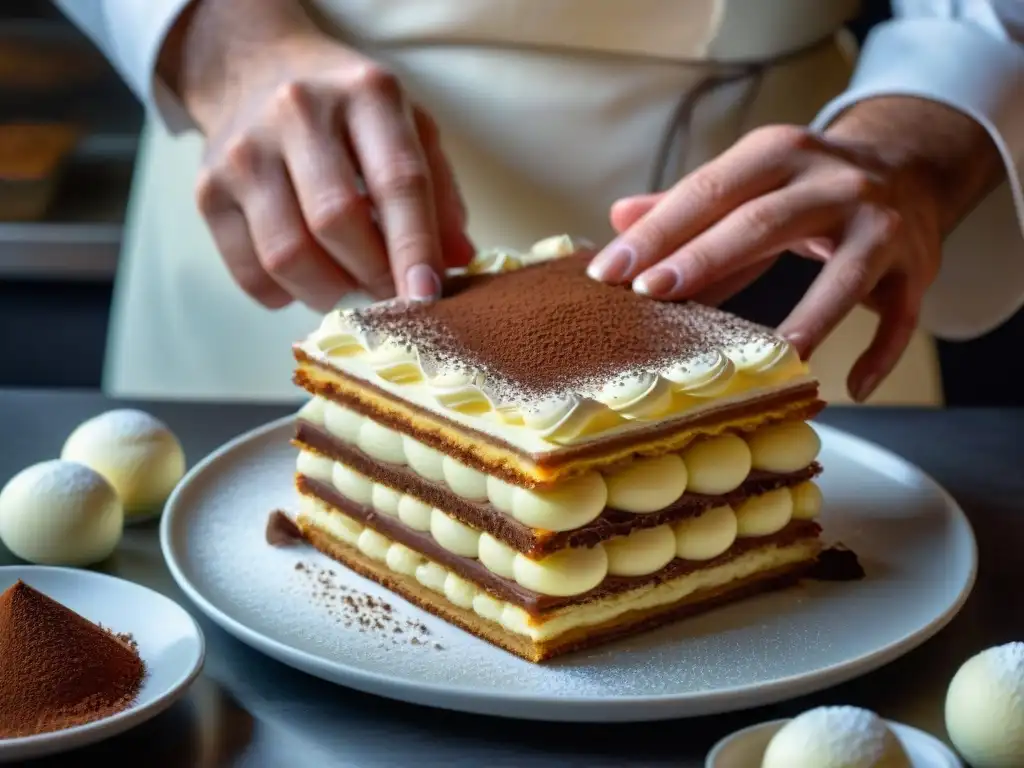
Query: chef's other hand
point(874, 212)
point(319, 176)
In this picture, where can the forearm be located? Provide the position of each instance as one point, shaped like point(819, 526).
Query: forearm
point(947, 153)
point(207, 49)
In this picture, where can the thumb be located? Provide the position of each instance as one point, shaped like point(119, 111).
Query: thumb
point(628, 210)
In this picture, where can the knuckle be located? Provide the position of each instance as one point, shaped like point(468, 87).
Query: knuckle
point(889, 222)
point(241, 157)
point(292, 100)
point(402, 179)
point(708, 186)
point(699, 263)
point(650, 239)
point(854, 278)
point(207, 192)
point(410, 246)
point(784, 136)
point(258, 285)
point(760, 220)
point(376, 80)
point(284, 255)
point(859, 183)
point(332, 211)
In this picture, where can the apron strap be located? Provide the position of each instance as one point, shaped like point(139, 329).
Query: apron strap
point(678, 129)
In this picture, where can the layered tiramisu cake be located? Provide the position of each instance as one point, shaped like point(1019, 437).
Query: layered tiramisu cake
point(549, 462)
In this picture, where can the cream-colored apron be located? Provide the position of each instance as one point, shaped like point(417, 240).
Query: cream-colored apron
point(549, 109)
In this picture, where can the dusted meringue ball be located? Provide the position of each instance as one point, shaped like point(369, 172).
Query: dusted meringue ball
point(835, 737)
point(985, 708)
point(134, 451)
point(60, 513)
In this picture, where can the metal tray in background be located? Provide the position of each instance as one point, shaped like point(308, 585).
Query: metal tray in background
point(80, 236)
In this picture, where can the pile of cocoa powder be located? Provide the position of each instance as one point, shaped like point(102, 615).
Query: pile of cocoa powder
point(58, 669)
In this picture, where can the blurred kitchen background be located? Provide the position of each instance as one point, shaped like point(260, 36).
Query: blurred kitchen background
point(68, 136)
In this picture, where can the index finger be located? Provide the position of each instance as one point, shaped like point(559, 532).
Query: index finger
point(398, 179)
point(757, 164)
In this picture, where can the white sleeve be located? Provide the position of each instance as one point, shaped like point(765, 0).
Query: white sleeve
point(969, 55)
point(130, 34)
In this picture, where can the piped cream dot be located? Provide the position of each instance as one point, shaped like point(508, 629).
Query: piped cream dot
point(643, 551)
point(465, 481)
point(352, 485)
point(496, 557)
point(453, 535)
point(765, 514)
point(563, 574)
point(717, 465)
point(647, 484)
point(341, 422)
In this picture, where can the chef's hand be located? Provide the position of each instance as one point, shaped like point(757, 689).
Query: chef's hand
point(297, 126)
point(873, 210)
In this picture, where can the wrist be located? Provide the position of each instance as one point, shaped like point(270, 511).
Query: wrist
point(219, 48)
point(942, 156)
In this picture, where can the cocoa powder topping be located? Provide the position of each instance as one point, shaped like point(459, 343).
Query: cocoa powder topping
point(548, 329)
point(357, 610)
point(58, 669)
point(282, 530)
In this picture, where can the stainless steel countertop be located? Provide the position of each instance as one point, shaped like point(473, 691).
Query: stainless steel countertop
point(247, 710)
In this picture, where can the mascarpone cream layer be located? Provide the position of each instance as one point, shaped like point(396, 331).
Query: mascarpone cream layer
point(686, 386)
point(570, 572)
point(402, 560)
point(714, 466)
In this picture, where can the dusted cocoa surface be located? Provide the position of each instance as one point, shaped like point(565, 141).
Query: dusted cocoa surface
point(798, 403)
point(548, 329)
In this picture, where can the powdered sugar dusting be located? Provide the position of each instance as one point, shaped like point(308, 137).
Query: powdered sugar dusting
point(64, 479)
point(127, 425)
point(1007, 664)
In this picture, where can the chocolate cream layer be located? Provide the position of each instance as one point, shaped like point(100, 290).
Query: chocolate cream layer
point(532, 602)
point(532, 542)
point(798, 403)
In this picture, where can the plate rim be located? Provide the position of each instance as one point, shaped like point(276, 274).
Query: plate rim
point(627, 708)
point(54, 742)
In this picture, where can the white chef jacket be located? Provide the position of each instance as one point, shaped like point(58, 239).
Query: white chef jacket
point(550, 110)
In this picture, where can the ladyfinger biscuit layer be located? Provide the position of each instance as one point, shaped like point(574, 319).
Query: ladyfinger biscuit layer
point(771, 567)
point(533, 542)
point(486, 451)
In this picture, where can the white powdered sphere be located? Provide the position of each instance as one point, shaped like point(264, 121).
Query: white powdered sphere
point(835, 737)
point(985, 708)
point(136, 452)
point(60, 513)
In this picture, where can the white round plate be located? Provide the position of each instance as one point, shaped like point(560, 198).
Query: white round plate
point(911, 537)
point(747, 747)
point(170, 644)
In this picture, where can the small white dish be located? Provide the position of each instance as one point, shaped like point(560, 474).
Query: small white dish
point(745, 748)
point(169, 640)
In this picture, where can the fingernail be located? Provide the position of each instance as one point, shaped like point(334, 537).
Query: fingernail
point(865, 388)
point(798, 341)
point(658, 282)
point(422, 283)
point(821, 247)
point(613, 264)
